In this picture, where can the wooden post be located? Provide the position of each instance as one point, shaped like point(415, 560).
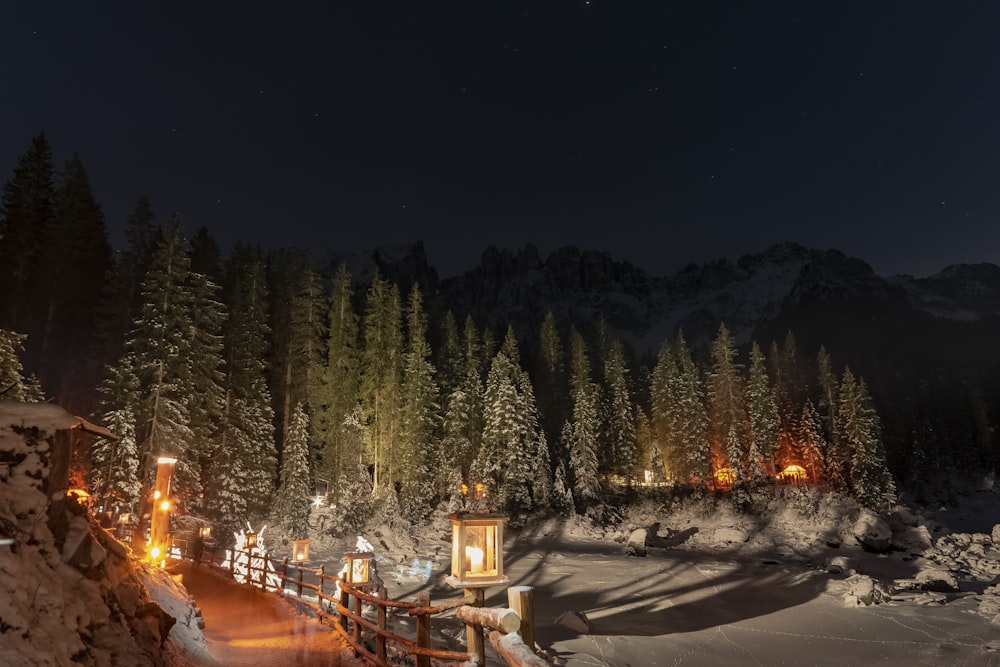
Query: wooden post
point(357, 626)
point(424, 630)
point(298, 584)
point(345, 602)
point(476, 597)
point(284, 573)
point(521, 600)
point(380, 638)
point(319, 594)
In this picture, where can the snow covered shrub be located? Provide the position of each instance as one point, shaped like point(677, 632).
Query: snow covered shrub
point(804, 499)
point(349, 512)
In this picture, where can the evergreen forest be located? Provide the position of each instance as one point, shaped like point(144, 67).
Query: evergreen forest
point(271, 384)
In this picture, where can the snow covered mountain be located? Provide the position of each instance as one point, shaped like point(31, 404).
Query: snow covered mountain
point(751, 295)
point(823, 296)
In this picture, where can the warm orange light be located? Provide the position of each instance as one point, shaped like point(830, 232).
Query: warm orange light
point(794, 473)
point(156, 494)
point(165, 505)
point(725, 476)
point(465, 489)
point(480, 491)
point(154, 553)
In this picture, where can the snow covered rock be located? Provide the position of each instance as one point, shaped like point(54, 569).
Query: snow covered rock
point(863, 590)
point(840, 565)
point(636, 543)
point(937, 580)
point(872, 532)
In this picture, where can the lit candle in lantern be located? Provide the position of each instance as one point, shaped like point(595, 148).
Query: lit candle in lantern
point(474, 556)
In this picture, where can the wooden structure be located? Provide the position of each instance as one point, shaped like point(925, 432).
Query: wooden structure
point(340, 604)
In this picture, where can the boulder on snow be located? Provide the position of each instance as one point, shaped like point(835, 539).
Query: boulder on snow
point(863, 590)
point(576, 621)
point(937, 580)
point(636, 543)
point(839, 565)
point(872, 532)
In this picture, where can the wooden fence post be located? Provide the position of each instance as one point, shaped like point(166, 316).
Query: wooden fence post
point(345, 602)
point(474, 633)
point(424, 630)
point(298, 584)
point(380, 638)
point(521, 600)
point(357, 626)
point(319, 593)
point(284, 573)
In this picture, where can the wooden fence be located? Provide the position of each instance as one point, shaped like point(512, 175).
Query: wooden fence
point(509, 627)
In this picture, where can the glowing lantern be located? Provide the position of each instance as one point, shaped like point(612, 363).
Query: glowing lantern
point(250, 540)
point(476, 550)
point(793, 474)
point(300, 550)
point(359, 568)
point(205, 532)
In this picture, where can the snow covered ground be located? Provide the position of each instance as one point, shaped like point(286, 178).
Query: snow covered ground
point(717, 587)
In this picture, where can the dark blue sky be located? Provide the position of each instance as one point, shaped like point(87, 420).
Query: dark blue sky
point(662, 132)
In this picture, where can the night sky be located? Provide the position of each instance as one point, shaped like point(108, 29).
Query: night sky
point(662, 132)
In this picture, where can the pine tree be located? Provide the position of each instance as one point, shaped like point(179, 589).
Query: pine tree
point(847, 423)
point(513, 458)
point(419, 416)
point(69, 287)
point(448, 357)
point(298, 317)
point(813, 444)
point(381, 377)
point(860, 433)
point(243, 463)
point(123, 291)
point(206, 362)
point(25, 212)
point(581, 432)
point(550, 379)
point(335, 410)
point(664, 413)
point(620, 416)
point(761, 409)
point(291, 507)
point(725, 401)
point(463, 420)
point(692, 416)
point(159, 348)
point(827, 394)
point(115, 462)
point(14, 386)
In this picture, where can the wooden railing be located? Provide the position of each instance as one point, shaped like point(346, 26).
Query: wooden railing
point(332, 594)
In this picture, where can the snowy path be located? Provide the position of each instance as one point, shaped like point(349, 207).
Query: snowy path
point(249, 628)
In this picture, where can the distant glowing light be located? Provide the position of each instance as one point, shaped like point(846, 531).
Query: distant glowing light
point(165, 505)
point(166, 459)
point(154, 553)
point(156, 494)
point(318, 501)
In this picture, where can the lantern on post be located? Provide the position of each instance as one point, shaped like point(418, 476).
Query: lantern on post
point(159, 522)
point(476, 549)
point(476, 563)
point(250, 540)
point(359, 568)
point(300, 550)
